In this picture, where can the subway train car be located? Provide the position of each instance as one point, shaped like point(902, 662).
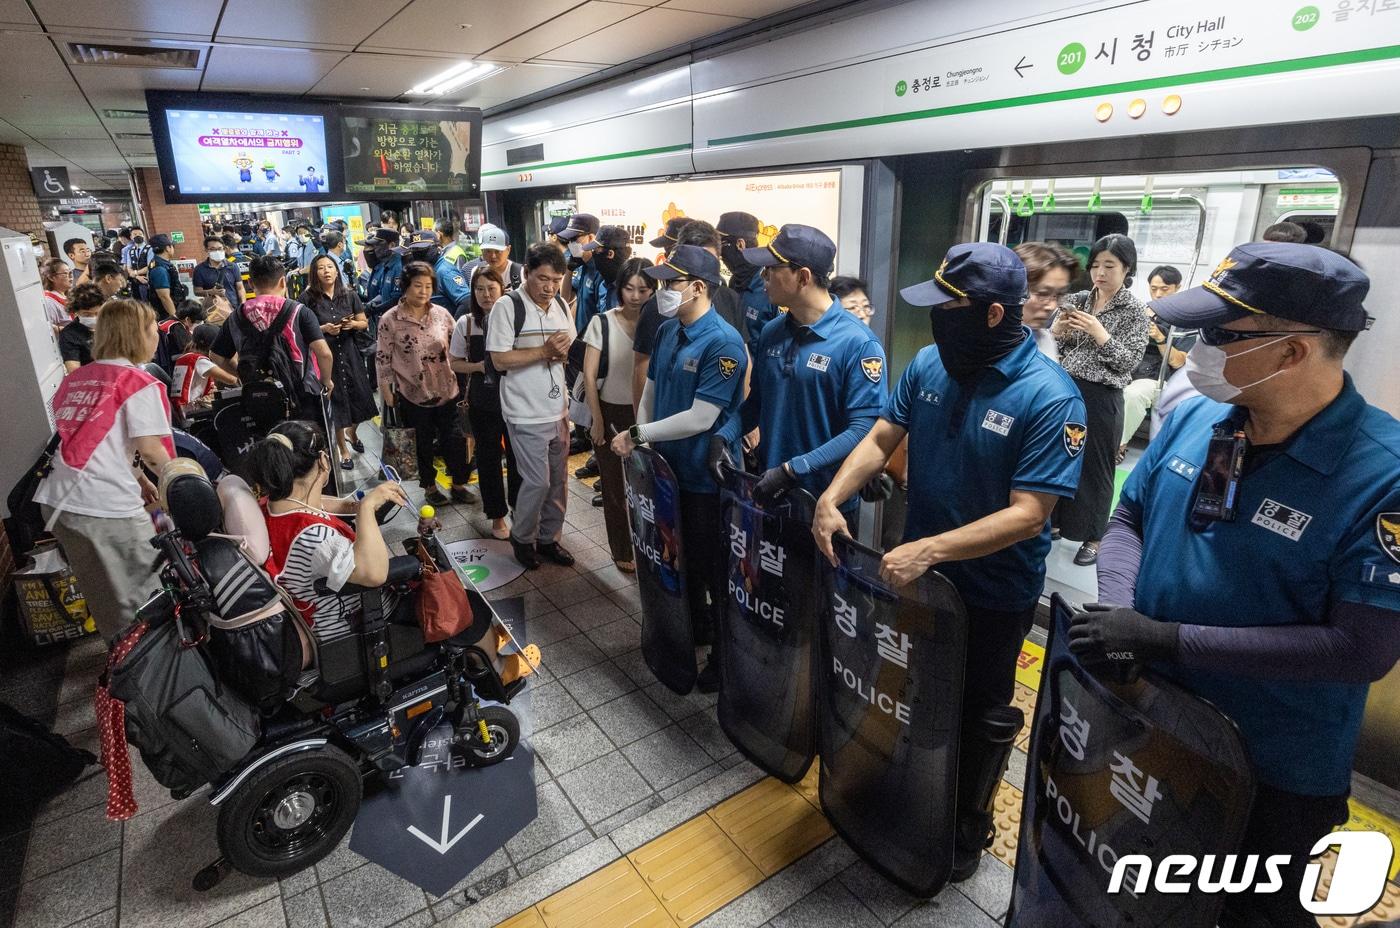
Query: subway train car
point(904, 129)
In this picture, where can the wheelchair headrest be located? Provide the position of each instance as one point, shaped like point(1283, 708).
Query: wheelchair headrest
point(244, 517)
point(158, 372)
point(189, 499)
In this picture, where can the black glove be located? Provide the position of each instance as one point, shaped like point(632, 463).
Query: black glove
point(775, 482)
point(879, 489)
point(718, 454)
point(1101, 631)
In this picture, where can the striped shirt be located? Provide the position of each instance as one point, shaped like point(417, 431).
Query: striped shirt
point(319, 552)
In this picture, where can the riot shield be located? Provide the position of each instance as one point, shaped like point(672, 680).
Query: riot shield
point(340, 482)
point(888, 718)
point(767, 697)
point(654, 510)
point(1116, 768)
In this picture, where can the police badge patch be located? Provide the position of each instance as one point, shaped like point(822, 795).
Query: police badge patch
point(1388, 534)
point(1074, 434)
point(872, 368)
point(727, 367)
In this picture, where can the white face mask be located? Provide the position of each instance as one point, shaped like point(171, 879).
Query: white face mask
point(89, 321)
point(669, 302)
point(576, 249)
point(216, 256)
point(1205, 368)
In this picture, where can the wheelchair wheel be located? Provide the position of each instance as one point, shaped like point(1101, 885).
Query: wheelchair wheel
point(505, 735)
point(291, 813)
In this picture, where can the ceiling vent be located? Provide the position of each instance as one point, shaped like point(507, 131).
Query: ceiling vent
point(133, 56)
point(130, 136)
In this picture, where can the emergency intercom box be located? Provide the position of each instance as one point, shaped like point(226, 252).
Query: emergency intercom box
point(51, 607)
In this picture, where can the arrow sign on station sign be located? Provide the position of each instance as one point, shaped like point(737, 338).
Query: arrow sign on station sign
point(1021, 66)
point(443, 846)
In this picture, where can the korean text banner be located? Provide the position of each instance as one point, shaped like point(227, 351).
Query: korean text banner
point(277, 154)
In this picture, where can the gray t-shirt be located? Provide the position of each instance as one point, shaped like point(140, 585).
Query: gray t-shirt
point(537, 392)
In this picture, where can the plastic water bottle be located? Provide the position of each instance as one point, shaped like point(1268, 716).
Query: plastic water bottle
point(427, 522)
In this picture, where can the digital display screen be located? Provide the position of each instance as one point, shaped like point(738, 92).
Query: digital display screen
point(267, 155)
point(398, 151)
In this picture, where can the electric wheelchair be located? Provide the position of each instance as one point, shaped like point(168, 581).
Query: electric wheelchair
point(329, 713)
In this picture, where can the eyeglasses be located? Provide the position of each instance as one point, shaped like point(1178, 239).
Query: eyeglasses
point(1048, 293)
point(1217, 337)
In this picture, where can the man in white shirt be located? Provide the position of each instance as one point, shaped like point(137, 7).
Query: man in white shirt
point(527, 339)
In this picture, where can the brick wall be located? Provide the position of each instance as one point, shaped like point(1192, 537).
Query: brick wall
point(159, 216)
point(19, 208)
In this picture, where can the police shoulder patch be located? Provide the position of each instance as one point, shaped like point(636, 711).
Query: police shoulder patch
point(1388, 534)
point(873, 369)
point(727, 367)
point(459, 280)
point(1074, 434)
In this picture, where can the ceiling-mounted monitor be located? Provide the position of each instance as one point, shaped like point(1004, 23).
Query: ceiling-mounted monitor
point(245, 148)
point(401, 152)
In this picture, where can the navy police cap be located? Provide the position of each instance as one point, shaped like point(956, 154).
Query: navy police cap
point(673, 228)
point(688, 261)
point(558, 224)
point(609, 237)
point(579, 224)
point(981, 271)
point(1301, 283)
point(798, 245)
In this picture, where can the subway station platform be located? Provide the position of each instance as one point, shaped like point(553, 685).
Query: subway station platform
point(647, 815)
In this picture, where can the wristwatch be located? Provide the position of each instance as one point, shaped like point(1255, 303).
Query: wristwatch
point(634, 432)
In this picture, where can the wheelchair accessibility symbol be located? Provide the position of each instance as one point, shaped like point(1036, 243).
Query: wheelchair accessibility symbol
point(51, 184)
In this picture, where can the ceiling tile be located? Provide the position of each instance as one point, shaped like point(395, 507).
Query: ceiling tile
point(59, 134)
point(267, 70)
point(649, 31)
point(83, 150)
point(344, 24)
point(132, 17)
point(519, 81)
point(385, 76)
point(16, 13)
point(578, 22)
point(433, 25)
point(749, 9)
point(31, 63)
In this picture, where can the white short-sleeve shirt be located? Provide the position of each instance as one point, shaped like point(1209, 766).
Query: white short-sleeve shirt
point(537, 392)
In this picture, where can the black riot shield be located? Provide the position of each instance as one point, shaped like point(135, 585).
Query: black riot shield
point(767, 697)
point(340, 482)
point(890, 705)
point(654, 509)
point(1122, 768)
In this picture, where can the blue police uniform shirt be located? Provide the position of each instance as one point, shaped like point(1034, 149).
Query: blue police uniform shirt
point(706, 361)
point(809, 384)
point(1020, 426)
point(1310, 531)
point(453, 292)
point(384, 289)
point(593, 293)
point(758, 310)
point(162, 272)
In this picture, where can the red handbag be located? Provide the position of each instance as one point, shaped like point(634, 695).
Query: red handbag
point(443, 609)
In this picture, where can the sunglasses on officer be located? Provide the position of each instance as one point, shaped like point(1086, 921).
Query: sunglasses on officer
point(1217, 337)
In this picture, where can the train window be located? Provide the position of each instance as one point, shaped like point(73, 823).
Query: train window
point(1187, 222)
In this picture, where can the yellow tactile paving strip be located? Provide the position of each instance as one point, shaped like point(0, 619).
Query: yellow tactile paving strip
point(697, 868)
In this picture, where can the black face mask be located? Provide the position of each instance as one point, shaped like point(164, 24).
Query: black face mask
point(609, 267)
point(966, 344)
point(733, 259)
point(372, 257)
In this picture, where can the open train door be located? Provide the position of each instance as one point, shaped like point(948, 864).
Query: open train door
point(654, 510)
point(1116, 768)
point(767, 697)
point(888, 716)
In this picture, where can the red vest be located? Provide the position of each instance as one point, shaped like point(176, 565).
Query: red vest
point(282, 530)
point(184, 379)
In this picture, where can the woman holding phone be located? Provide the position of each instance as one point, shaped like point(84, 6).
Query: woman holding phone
point(1101, 334)
point(342, 318)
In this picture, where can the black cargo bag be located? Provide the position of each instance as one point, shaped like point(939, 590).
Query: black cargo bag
point(189, 728)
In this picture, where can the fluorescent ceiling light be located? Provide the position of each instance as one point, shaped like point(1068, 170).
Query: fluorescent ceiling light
point(454, 77)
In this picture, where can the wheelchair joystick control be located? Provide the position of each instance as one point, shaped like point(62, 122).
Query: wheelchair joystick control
point(427, 521)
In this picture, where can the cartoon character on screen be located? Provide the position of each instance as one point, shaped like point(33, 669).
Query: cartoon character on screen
point(311, 180)
point(245, 167)
point(269, 169)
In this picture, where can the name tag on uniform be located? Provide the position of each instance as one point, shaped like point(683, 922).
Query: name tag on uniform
point(1278, 518)
point(928, 396)
point(1182, 468)
point(998, 422)
point(691, 365)
point(818, 362)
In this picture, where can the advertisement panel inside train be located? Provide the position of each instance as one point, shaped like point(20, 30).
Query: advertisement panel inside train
point(390, 152)
point(239, 153)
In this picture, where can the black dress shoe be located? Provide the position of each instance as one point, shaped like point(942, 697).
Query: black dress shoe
point(555, 552)
point(1088, 554)
point(435, 496)
point(598, 500)
point(588, 471)
point(708, 679)
point(358, 445)
point(462, 495)
point(525, 554)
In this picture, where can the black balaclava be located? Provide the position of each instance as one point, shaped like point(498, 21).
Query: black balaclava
point(966, 344)
point(740, 271)
point(608, 267)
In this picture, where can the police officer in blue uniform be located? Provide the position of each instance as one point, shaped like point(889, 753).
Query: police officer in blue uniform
point(738, 232)
point(575, 237)
point(818, 381)
point(384, 287)
point(694, 387)
point(996, 431)
point(1267, 516)
point(603, 256)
